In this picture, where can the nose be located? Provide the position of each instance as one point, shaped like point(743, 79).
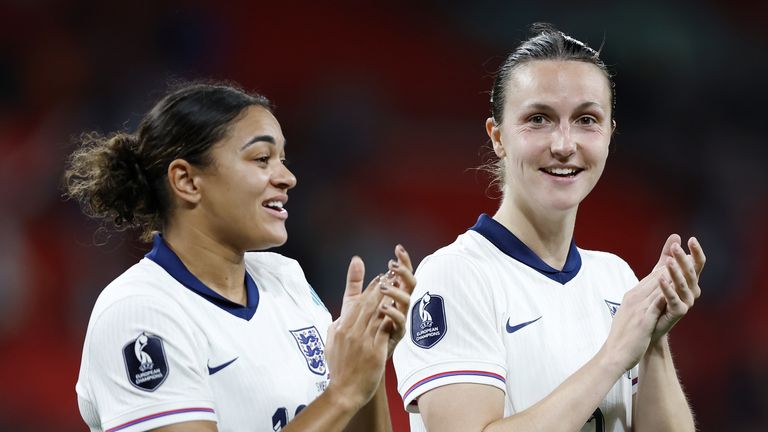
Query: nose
point(284, 178)
point(563, 145)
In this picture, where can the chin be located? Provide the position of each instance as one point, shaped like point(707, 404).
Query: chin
point(264, 242)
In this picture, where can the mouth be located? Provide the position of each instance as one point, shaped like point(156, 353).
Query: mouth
point(275, 206)
point(562, 172)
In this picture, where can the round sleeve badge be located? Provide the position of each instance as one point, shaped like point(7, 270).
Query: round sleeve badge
point(145, 362)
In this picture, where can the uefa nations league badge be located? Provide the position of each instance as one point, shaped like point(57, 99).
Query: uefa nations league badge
point(145, 362)
point(428, 324)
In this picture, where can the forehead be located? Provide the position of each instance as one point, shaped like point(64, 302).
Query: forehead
point(255, 121)
point(557, 82)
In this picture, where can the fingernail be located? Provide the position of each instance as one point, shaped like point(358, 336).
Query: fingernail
point(384, 287)
point(400, 248)
point(394, 264)
point(391, 274)
point(384, 306)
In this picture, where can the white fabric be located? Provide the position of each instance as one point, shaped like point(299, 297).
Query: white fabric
point(484, 290)
point(269, 379)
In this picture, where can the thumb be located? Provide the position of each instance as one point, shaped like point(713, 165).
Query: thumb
point(355, 276)
point(666, 251)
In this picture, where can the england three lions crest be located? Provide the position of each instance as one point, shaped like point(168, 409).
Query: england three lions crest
point(312, 348)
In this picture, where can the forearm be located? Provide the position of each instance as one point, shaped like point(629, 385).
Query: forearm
point(571, 404)
point(661, 404)
point(330, 412)
point(373, 416)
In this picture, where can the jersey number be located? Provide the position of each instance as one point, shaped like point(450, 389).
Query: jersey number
point(280, 417)
point(597, 416)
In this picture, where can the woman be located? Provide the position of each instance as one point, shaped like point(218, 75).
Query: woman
point(512, 326)
point(201, 335)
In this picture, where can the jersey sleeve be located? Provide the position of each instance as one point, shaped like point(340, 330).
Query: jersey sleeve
point(142, 368)
point(452, 336)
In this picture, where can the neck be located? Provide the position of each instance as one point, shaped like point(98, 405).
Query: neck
point(547, 234)
point(219, 267)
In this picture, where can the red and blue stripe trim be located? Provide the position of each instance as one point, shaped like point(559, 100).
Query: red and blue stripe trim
point(157, 415)
point(453, 373)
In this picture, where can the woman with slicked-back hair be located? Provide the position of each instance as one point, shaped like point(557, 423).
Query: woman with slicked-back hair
point(203, 334)
point(512, 326)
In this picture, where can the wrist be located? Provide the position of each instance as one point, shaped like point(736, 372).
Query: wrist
point(659, 346)
point(347, 403)
point(610, 363)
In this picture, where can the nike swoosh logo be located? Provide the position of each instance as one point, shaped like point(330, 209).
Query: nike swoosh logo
point(512, 329)
point(213, 370)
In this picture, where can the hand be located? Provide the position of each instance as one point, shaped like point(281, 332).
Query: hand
point(356, 348)
point(680, 284)
point(398, 287)
point(634, 322)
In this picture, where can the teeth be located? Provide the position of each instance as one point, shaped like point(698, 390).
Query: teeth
point(561, 171)
point(275, 204)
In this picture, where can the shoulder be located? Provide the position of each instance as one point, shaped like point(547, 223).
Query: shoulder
point(606, 262)
point(286, 272)
point(144, 279)
point(465, 255)
point(144, 291)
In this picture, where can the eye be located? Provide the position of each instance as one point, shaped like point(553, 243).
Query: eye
point(537, 119)
point(262, 159)
point(285, 161)
point(586, 121)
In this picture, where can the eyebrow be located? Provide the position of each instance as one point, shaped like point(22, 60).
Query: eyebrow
point(259, 138)
point(545, 107)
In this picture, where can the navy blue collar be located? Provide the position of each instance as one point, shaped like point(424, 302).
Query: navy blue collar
point(168, 260)
point(503, 239)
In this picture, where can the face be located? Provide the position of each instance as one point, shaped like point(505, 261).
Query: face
point(554, 135)
point(244, 190)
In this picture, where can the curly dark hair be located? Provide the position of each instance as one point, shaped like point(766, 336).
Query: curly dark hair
point(121, 178)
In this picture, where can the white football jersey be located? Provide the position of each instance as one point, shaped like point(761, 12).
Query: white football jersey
point(163, 348)
point(487, 310)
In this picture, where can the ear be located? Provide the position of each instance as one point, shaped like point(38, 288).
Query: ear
point(181, 179)
point(613, 127)
point(494, 133)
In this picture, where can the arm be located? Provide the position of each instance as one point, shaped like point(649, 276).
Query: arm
point(472, 407)
point(660, 404)
point(374, 416)
point(359, 343)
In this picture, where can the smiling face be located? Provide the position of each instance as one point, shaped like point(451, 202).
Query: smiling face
point(555, 134)
point(245, 188)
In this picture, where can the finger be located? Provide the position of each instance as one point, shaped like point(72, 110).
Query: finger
point(403, 257)
point(355, 276)
point(397, 318)
point(648, 284)
point(679, 282)
point(666, 250)
point(686, 265)
point(674, 304)
point(657, 305)
point(399, 298)
point(699, 259)
point(405, 275)
point(369, 304)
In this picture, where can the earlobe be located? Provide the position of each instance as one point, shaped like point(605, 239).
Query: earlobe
point(494, 133)
point(182, 181)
